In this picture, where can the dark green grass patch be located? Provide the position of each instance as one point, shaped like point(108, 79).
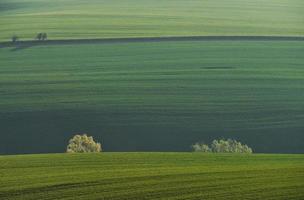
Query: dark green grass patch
point(153, 96)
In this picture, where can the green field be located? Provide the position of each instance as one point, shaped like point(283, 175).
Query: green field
point(153, 96)
point(152, 176)
point(142, 18)
point(161, 91)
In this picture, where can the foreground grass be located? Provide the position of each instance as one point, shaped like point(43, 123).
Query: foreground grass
point(153, 96)
point(138, 18)
point(152, 176)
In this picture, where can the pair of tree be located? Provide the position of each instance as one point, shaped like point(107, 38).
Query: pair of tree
point(83, 144)
point(41, 36)
point(222, 146)
point(86, 144)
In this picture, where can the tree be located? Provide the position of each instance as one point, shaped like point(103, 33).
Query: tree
point(44, 36)
point(15, 38)
point(200, 147)
point(39, 36)
point(222, 146)
point(83, 144)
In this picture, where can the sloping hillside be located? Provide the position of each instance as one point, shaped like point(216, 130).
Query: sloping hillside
point(138, 18)
point(167, 176)
point(147, 96)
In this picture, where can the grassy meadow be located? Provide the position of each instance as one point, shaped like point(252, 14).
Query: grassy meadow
point(152, 176)
point(153, 96)
point(72, 19)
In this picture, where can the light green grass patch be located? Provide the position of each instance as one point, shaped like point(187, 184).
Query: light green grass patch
point(151, 176)
point(66, 19)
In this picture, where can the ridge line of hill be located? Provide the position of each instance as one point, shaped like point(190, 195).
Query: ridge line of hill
point(150, 39)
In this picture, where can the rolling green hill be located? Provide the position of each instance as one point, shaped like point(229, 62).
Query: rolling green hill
point(153, 96)
point(152, 176)
point(141, 18)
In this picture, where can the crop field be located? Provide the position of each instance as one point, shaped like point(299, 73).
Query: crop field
point(153, 96)
point(142, 18)
point(148, 79)
point(152, 176)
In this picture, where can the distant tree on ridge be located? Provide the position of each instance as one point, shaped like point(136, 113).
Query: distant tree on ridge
point(15, 38)
point(222, 146)
point(39, 36)
point(44, 36)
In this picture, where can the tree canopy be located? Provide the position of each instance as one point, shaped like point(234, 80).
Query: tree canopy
point(83, 144)
point(222, 146)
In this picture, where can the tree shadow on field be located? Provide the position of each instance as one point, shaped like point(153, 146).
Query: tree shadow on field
point(6, 5)
point(21, 47)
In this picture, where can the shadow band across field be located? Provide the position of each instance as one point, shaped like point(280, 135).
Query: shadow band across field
point(26, 44)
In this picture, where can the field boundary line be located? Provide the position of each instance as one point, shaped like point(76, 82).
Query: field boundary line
point(28, 43)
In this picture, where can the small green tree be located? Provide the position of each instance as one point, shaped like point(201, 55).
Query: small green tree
point(229, 146)
point(15, 38)
point(39, 36)
point(83, 144)
point(201, 147)
point(222, 146)
point(44, 36)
